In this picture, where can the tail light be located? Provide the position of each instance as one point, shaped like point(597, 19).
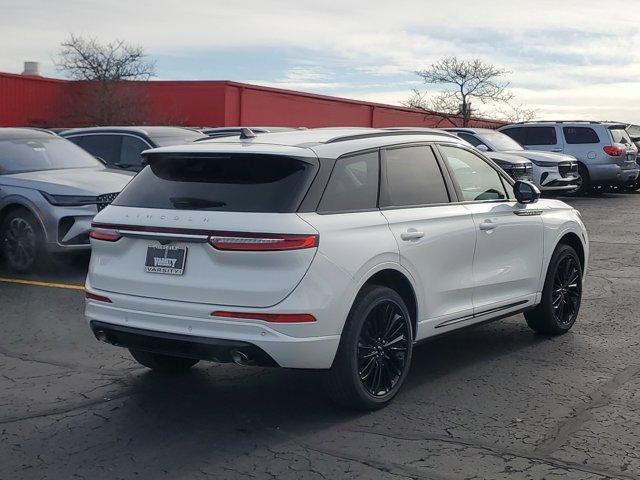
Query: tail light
point(267, 317)
point(262, 242)
point(106, 234)
point(613, 151)
point(98, 298)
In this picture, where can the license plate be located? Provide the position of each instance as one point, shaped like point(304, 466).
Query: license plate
point(168, 260)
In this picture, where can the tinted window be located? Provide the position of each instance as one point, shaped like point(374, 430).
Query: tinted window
point(476, 178)
point(353, 184)
point(575, 135)
point(620, 136)
point(107, 147)
point(229, 183)
point(540, 136)
point(29, 155)
point(414, 177)
point(467, 137)
point(517, 133)
point(178, 138)
point(130, 151)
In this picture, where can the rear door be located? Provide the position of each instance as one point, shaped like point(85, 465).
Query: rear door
point(436, 238)
point(215, 229)
point(508, 251)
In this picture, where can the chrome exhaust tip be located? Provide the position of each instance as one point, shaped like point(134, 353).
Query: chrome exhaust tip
point(240, 358)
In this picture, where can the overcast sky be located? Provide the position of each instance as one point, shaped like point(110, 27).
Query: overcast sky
point(569, 59)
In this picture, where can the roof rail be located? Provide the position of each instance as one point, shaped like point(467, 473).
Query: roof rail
point(557, 121)
point(388, 133)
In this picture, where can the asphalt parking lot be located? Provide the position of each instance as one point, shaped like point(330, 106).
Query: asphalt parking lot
point(493, 402)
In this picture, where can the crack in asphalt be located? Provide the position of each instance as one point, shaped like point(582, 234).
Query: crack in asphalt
point(500, 452)
point(68, 366)
point(600, 398)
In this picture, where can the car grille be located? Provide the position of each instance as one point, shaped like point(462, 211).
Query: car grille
point(106, 199)
point(568, 169)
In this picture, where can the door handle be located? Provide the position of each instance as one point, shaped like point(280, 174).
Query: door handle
point(557, 150)
point(411, 234)
point(487, 225)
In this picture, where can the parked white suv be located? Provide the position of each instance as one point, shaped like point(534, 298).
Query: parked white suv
point(552, 172)
point(332, 249)
point(606, 155)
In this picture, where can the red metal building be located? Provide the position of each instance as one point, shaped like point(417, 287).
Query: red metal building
point(47, 102)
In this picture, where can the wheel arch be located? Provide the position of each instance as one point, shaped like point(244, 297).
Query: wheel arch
point(399, 282)
point(13, 203)
point(573, 240)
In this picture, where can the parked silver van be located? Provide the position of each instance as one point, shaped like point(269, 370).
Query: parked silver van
point(606, 155)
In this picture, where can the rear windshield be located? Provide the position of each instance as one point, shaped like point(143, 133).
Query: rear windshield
point(230, 183)
point(620, 135)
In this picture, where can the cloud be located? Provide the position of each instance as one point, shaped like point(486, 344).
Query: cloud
point(566, 56)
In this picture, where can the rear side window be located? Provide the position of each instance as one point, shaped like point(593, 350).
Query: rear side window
point(413, 177)
point(540, 136)
point(131, 149)
point(106, 147)
point(620, 136)
point(226, 183)
point(472, 139)
point(532, 135)
point(579, 135)
point(353, 185)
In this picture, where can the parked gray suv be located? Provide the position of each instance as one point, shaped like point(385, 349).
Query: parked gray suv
point(606, 155)
point(50, 190)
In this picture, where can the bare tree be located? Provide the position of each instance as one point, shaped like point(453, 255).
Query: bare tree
point(517, 113)
point(110, 97)
point(465, 82)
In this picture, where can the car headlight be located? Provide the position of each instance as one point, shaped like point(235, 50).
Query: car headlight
point(542, 163)
point(69, 200)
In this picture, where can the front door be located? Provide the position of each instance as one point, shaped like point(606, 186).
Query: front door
point(509, 236)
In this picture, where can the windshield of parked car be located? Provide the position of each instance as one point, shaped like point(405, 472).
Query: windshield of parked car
point(500, 142)
point(179, 138)
point(35, 154)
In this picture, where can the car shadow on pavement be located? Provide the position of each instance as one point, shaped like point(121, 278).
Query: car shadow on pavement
point(231, 409)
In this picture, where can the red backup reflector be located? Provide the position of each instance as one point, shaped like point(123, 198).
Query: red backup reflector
point(259, 243)
point(98, 298)
point(268, 317)
point(612, 150)
point(106, 234)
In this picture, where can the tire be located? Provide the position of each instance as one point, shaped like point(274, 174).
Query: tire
point(561, 295)
point(22, 241)
point(584, 181)
point(364, 363)
point(162, 363)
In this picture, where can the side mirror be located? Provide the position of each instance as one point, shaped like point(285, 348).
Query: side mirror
point(526, 192)
point(482, 147)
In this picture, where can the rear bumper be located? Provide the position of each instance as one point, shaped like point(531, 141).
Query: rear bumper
point(196, 336)
point(611, 173)
point(200, 348)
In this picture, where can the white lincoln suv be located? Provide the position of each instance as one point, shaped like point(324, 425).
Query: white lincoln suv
point(334, 249)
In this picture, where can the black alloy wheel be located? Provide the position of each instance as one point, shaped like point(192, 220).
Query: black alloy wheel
point(567, 291)
point(382, 348)
point(561, 295)
point(375, 350)
point(21, 241)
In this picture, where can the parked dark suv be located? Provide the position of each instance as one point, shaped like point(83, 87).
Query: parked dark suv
point(120, 147)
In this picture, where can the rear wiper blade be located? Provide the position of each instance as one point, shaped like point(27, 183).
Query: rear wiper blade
point(195, 203)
